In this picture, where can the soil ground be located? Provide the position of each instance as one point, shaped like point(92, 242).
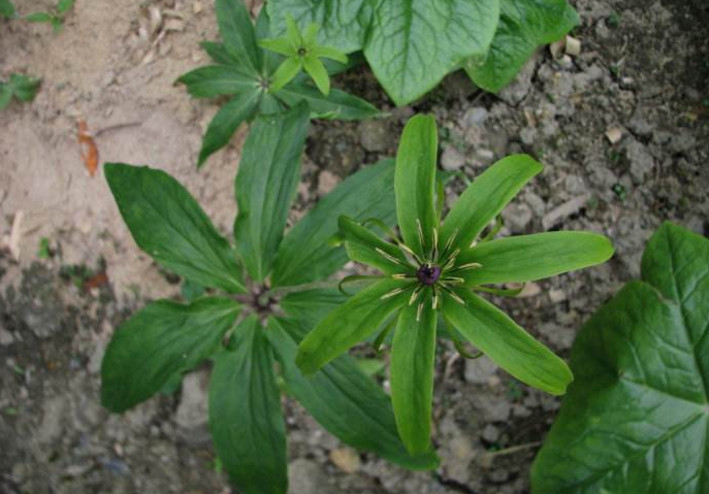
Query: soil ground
point(643, 74)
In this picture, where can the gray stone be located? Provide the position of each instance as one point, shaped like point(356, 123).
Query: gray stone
point(374, 135)
point(536, 203)
point(565, 210)
point(518, 90)
point(490, 433)
point(494, 408)
point(191, 416)
point(475, 117)
point(50, 430)
point(479, 370)
point(517, 217)
point(6, 338)
point(452, 159)
point(641, 161)
point(308, 477)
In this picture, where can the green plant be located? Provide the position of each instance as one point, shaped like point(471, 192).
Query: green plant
point(433, 271)
point(246, 72)
point(302, 52)
point(636, 418)
point(7, 9)
point(411, 45)
point(274, 291)
point(56, 18)
point(21, 87)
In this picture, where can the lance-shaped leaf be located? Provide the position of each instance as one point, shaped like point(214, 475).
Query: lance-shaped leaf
point(216, 80)
point(414, 182)
point(304, 254)
point(413, 44)
point(351, 323)
point(524, 26)
point(316, 70)
point(486, 197)
point(266, 185)
point(508, 345)
point(344, 400)
point(636, 419)
point(337, 104)
point(237, 31)
point(341, 397)
point(412, 358)
point(168, 224)
point(245, 414)
point(159, 341)
point(343, 23)
point(218, 53)
point(263, 31)
point(534, 257)
point(366, 247)
point(226, 121)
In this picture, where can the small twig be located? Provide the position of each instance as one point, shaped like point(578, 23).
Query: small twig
point(112, 128)
point(513, 449)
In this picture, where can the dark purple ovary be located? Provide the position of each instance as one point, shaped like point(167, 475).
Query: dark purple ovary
point(428, 275)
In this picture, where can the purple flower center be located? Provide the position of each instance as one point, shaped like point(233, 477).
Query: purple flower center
point(428, 275)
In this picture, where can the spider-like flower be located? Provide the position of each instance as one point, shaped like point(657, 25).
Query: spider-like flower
point(435, 268)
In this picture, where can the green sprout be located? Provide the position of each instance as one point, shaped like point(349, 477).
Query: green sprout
point(56, 18)
point(435, 268)
point(7, 9)
point(21, 87)
point(303, 53)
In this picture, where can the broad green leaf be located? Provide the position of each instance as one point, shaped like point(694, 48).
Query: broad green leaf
point(222, 127)
point(351, 323)
point(159, 341)
point(636, 419)
point(285, 73)
point(508, 345)
point(237, 31)
point(316, 70)
point(63, 6)
point(342, 398)
point(7, 9)
point(218, 53)
point(412, 359)
point(414, 183)
point(304, 254)
point(39, 17)
point(343, 23)
point(534, 257)
point(217, 80)
point(337, 104)
point(266, 184)
point(483, 200)
point(413, 44)
point(366, 247)
point(245, 414)
point(168, 224)
point(524, 26)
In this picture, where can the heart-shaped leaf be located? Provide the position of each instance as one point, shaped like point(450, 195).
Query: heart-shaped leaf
point(524, 26)
point(413, 44)
point(637, 417)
